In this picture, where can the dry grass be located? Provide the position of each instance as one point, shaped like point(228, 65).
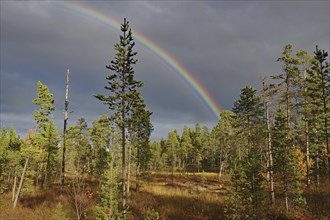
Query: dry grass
point(199, 196)
point(191, 196)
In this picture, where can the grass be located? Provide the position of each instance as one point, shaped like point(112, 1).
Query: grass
point(200, 196)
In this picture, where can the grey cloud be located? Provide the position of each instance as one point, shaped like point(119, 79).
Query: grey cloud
point(225, 45)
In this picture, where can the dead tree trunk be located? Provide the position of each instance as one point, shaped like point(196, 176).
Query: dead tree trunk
point(270, 157)
point(14, 187)
point(66, 104)
point(20, 182)
point(306, 130)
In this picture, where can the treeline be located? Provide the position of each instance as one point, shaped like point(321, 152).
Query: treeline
point(272, 141)
point(102, 153)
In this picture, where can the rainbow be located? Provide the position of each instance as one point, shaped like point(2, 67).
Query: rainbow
point(160, 53)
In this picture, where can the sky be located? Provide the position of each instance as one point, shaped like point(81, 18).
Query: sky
point(223, 45)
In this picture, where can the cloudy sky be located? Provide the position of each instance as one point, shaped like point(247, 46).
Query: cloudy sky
point(225, 45)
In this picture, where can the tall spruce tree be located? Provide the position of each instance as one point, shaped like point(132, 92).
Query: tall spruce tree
point(286, 162)
point(317, 96)
point(248, 111)
point(249, 123)
point(122, 85)
point(322, 69)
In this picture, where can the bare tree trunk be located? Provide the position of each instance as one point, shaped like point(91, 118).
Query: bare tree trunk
point(66, 104)
point(306, 131)
point(286, 201)
point(14, 188)
point(20, 182)
point(270, 158)
point(220, 170)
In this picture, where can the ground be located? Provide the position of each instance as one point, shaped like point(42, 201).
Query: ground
point(189, 196)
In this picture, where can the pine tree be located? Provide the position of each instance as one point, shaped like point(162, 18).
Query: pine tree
point(185, 147)
point(3, 158)
point(304, 61)
point(108, 206)
point(225, 134)
point(207, 150)
point(78, 135)
point(51, 136)
point(196, 149)
point(101, 136)
point(290, 78)
point(143, 128)
point(122, 85)
point(172, 146)
point(42, 117)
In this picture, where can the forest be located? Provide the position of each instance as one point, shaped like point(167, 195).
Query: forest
point(267, 158)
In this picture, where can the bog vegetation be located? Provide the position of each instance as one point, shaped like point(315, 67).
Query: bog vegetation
point(267, 158)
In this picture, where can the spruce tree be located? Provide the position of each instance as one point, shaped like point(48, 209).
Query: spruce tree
point(322, 69)
point(286, 163)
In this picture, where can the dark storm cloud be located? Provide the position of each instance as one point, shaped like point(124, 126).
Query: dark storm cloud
point(225, 45)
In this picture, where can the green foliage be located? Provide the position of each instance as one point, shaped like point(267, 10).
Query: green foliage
point(46, 102)
point(141, 130)
point(196, 149)
point(172, 146)
point(226, 138)
point(59, 213)
point(107, 207)
point(122, 84)
point(318, 98)
point(286, 162)
point(101, 136)
point(46, 138)
point(234, 203)
point(78, 139)
point(123, 97)
point(185, 147)
point(152, 214)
